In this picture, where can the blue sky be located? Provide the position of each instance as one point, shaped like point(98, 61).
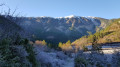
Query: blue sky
point(60, 8)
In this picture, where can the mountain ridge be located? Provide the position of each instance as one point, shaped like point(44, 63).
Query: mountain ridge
point(69, 16)
point(62, 29)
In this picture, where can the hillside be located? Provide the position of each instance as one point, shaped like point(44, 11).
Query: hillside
point(108, 35)
point(8, 27)
point(62, 29)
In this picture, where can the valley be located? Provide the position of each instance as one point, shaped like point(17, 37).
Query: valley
point(90, 37)
point(60, 42)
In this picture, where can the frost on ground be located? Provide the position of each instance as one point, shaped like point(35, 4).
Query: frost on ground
point(53, 58)
point(108, 57)
point(69, 62)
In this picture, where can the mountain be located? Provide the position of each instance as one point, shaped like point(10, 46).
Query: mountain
point(61, 29)
point(17, 51)
point(110, 34)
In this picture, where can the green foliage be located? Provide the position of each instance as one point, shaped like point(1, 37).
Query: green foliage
point(9, 55)
point(49, 45)
point(31, 56)
point(108, 35)
point(26, 41)
point(95, 45)
point(52, 46)
point(85, 48)
point(29, 48)
point(99, 64)
point(10, 42)
point(80, 62)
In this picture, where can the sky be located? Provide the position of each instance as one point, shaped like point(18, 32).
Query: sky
point(59, 8)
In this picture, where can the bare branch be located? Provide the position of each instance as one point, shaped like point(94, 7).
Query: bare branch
point(14, 12)
point(2, 4)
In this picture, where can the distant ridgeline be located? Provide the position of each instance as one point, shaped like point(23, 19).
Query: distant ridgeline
point(55, 30)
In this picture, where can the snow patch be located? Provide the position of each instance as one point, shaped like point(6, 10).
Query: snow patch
point(71, 16)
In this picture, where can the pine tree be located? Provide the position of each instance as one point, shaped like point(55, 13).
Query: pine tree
point(29, 48)
point(9, 54)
